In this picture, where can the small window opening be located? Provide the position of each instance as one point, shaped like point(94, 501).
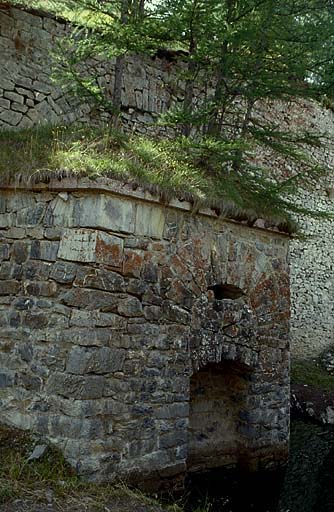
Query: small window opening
point(226, 291)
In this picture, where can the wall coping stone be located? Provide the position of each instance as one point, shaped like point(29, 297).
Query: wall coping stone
point(118, 188)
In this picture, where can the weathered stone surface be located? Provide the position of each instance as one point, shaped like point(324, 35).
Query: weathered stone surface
point(92, 299)
point(9, 287)
point(130, 307)
point(82, 361)
point(44, 250)
point(75, 386)
point(150, 221)
point(100, 279)
point(122, 346)
point(63, 272)
point(110, 213)
point(91, 246)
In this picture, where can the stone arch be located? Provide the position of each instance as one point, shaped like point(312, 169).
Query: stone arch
point(218, 406)
point(224, 352)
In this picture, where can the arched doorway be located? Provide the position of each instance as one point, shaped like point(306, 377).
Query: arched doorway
point(218, 394)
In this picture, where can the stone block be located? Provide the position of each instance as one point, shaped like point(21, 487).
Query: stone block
point(130, 307)
point(106, 212)
point(92, 299)
point(36, 270)
point(60, 212)
point(63, 272)
point(13, 96)
point(20, 251)
point(76, 386)
point(6, 379)
point(133, 262)
point(6, 220)
point(31, 216)
point(150, 221)
point(86, 337)
point(91, 247)
point(95, 360)
point(6, 84)
point(35, 320)
point(19, 108)
point(16, 233)
point(40, 288)
point(4, 104)
point(9, 287)
point(110, 320)
point(4, 252)
point(10, 117)
point(10, 270)
point(44, 250)
point(99, 279)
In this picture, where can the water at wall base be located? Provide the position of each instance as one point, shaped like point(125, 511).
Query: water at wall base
point(306, 485)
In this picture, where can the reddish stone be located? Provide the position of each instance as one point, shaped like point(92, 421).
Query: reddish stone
point(109, 250)
point(133, 262)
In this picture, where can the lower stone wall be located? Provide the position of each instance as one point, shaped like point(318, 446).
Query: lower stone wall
point(113, 311)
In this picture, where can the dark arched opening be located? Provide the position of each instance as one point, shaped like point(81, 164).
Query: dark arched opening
point(218, 396)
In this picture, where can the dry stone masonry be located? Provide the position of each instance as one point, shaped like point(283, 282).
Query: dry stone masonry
point(28, 97)
point(143, 340)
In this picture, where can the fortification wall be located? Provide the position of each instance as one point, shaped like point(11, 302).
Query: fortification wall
point(124, 322)
point(28, 97)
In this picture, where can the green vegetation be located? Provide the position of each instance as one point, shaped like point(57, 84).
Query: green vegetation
point(237, 58)
point(311, 373)
point(52, 479)
point(171, 168)
point(19, 477)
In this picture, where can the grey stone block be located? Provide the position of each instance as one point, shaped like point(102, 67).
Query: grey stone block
point(76, 386)
point(44, 250)
point(13, 96)
point(9, 287)
point(92, 299)
point(10, 117)
point(98, 361)
point(36, 270)
point(130, 307)
point(63, 272)
point(100, 279)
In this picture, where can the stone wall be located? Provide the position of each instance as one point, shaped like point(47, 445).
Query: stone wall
point(28, 97)
point(119, 315)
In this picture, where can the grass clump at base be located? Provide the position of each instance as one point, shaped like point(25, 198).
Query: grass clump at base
point(312, 374)
point(20, 477)
point(172, 168)
point(51, 481)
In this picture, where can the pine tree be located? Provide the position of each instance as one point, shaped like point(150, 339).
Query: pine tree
point(241, 55)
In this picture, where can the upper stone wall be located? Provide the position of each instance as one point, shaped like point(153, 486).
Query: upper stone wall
point(28, 97)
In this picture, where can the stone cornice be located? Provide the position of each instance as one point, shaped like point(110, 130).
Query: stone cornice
point(123, 189)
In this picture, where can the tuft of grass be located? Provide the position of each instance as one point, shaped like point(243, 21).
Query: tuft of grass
point(311, 373)
point(18, 476)
point(51, 478)
point(171, 168)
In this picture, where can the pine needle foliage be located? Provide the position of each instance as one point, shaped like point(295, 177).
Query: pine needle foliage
point(237, 57)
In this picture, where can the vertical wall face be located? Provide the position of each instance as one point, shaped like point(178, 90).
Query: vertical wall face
point(218, 404)
point(109, 328)
point(28, 97)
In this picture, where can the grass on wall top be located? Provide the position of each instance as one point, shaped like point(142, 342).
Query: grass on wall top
point(165, 167)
